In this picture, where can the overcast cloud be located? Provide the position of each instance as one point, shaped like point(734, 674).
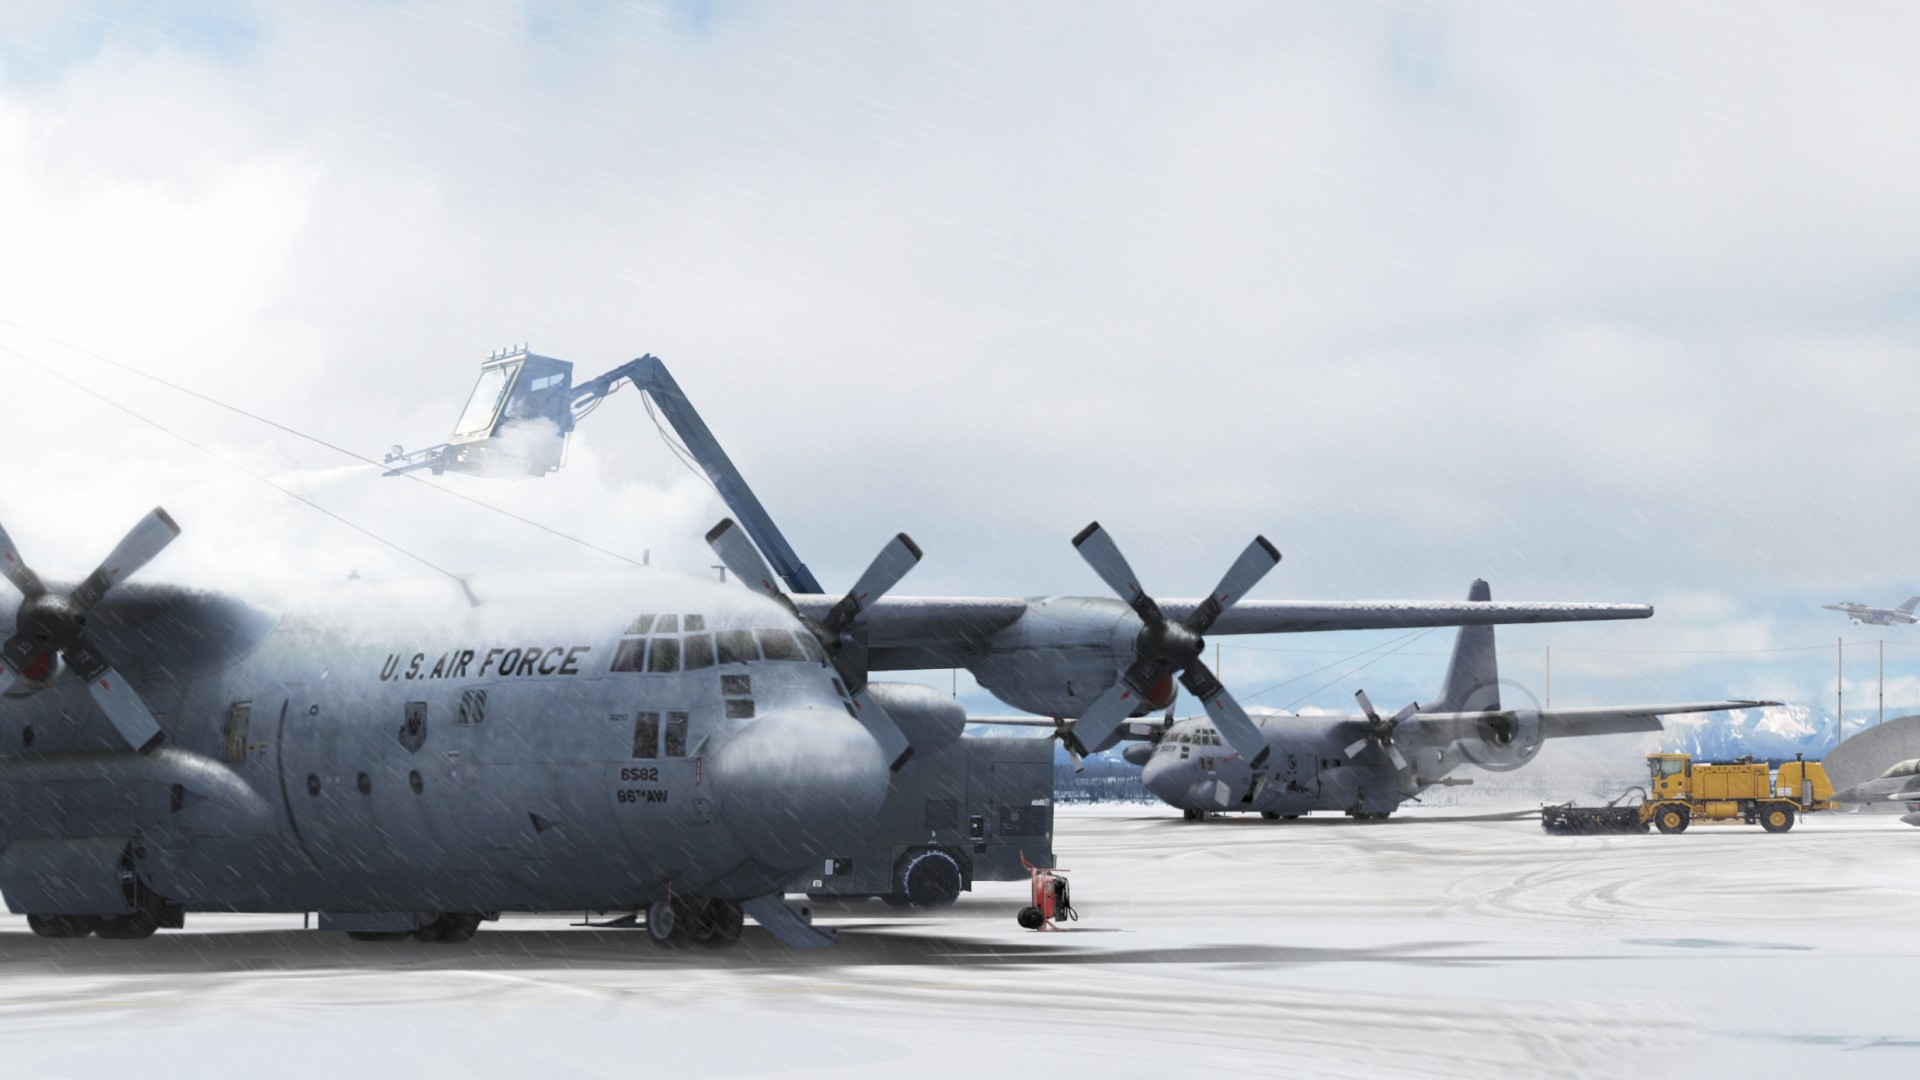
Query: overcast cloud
point(1598, 302)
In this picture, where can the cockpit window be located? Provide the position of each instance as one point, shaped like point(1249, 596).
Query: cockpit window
point(665, 655)
point(668, 624)
point(1909, 767)
point(628, 656)
point(640, 624)
point(696, 622)
point(698, 650)
point(1667, 767)
point(736, 647)
point(779, 645)
point(487, 397)
point(811, 646)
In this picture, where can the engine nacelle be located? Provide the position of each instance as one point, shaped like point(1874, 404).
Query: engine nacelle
point(1504, 741)
point(929, 719)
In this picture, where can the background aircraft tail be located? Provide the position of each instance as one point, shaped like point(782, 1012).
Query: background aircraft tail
point(1907, 608)
point(1473, 675)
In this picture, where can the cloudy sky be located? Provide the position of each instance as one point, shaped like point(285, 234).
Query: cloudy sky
point(1607, 302)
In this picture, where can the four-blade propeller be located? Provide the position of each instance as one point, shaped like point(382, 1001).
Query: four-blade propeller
point(1165, 646)
point(900, 555)
point(1380, 729)
point(49, 624)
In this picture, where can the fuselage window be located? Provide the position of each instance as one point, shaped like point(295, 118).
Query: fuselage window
point(698, 649)
point(646, 734)
point(740, 708)
point(628, 656)
point(696, 622)
point(676, 734)
point(736, 647)
point(811, 646)
point(665, 654)
point(779, 645)
point(640, 624)
point(668, 624)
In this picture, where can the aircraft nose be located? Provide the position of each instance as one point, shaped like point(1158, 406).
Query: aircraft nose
point(795, 785)
point(1160, 775)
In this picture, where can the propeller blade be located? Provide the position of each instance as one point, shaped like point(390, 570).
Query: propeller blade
point(873, 716)
point(1101, 553)
point(1366, 705)
point(1235, 725)
point(738, 554)
point(899, 556)
point(1246, 572)
point(148, 537)
point(1399, 761)
point(1358, 745)
point(129, 714)
point(1101, 719)
point(1406, 711)
point(16, 569)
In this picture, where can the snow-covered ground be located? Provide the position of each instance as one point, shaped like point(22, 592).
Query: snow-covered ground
point(1419, 946)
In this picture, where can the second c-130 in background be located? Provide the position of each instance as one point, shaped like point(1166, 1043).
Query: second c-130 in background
point(1367, 765)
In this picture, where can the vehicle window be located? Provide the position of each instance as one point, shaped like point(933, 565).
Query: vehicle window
point(676, 734)
point(484, 405)
point(779, 645)
point(627, 656)
point(735, 647)
point(1671, 767)
point(665, 654)
point(646, 734)
point(811, 646)
point(640, 624)
point(668, 624)
point(696, 622)
point(699, 650)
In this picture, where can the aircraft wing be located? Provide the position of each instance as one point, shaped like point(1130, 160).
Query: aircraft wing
point(1568, 723)
point(954, 620)
point(1306, 616)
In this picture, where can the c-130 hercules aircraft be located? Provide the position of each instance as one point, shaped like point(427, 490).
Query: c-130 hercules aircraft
point(405, 761)
point(1367, 765)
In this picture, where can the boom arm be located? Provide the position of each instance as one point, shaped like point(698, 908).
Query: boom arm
point(649, 374)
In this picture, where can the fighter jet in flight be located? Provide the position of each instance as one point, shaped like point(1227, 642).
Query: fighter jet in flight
point(1878, 616)
point(1367, 765)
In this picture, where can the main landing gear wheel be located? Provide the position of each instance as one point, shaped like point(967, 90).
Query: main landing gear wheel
point(380, 935)
point(670, 922)
point(1270, 815)
point(1776, 817)
point(449, 928)
point(928, 879)
point(719, 923)
point(140, 924)
point(1193, 815)
point(60, 926)
point(1672, 819)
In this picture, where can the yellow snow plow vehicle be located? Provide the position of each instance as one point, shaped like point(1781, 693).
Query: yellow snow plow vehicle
point(1681, 792)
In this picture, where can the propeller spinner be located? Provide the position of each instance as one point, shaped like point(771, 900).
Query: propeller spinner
point(1380, 729)
point(48, 622)
point(900, 555)
point(1165, 646)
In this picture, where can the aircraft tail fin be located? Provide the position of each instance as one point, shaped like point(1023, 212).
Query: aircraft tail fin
point(1473, 675)
point(1907, 608)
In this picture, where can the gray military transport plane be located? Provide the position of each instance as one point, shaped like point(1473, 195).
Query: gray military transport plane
point(1367, 765)
point(1877, 616)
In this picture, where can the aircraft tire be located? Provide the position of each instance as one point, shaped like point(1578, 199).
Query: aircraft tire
point(379, 935)
point(719, 924)
point(1270, 815)
point(449, 928)
point(1193, 815)
point(140, 924)
point(1776, 817)
point(670, 922)
point(60, 926)
point(930, 878)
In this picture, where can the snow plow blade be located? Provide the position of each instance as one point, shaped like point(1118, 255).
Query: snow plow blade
point(1571, 820)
